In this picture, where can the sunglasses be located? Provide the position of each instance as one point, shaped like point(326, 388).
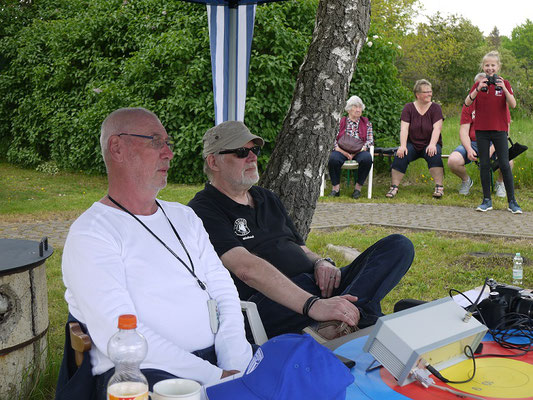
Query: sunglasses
point(242, 152)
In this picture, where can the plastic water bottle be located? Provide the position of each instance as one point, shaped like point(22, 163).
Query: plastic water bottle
point(518, 269)
point(127, 349)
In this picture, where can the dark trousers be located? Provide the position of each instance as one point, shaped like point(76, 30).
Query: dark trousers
point(499, 139)
point(336, 159)
point(369, 277)
point(400, 164)
point(152, 375)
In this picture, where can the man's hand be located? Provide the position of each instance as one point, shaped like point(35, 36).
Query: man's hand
point(338, 308)
point(471, 154)
point(327, 277)
point(225, 373)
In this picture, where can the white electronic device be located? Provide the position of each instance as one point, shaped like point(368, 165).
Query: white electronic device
point(436, 332)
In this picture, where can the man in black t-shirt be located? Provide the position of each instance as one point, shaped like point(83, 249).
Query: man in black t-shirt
point(270, 264)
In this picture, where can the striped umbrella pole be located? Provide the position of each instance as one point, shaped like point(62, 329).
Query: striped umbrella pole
point(230, 34)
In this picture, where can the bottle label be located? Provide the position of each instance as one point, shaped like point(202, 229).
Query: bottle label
point(517, 274)
point(127, 391)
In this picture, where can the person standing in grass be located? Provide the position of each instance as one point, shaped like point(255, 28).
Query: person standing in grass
point(493, 95)
point(466, 152)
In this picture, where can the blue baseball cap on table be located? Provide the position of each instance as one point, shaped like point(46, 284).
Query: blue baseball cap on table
point(289, 366)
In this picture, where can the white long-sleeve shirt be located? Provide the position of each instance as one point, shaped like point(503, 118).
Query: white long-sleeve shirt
point(112, 265)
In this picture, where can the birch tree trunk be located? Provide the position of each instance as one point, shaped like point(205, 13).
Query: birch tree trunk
point(306, 139)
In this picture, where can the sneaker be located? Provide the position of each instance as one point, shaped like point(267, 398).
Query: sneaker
point(499, 188)
point(486, 205)
point(514, 207)
point(334, 193)
point(356, 194)
point(465, 186)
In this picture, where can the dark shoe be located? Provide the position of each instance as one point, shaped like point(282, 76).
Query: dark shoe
point(334, 194)
point(393, 191)
point(514, 207)
point(439, 191)
point(356, 194)
point(485, 206)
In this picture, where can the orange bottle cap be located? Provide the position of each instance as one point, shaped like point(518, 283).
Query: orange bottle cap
point(127, 321)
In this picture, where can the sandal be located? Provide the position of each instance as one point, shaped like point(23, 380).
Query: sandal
point(439, 191)
point(393, 191)
point(329, 330)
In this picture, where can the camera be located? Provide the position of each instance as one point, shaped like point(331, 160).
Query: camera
point(503, 300)
point(491, 80)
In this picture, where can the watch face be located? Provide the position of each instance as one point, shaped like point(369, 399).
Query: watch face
point(329, 260)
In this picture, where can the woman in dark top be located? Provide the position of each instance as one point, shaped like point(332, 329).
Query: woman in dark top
point(360, 127)
point(420, 137)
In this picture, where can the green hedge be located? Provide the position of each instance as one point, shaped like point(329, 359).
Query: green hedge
point(66, 64)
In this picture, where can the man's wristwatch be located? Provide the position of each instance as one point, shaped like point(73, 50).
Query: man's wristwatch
point(324, 259)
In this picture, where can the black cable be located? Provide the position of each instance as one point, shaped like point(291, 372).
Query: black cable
point(443, 379)
point(509, 326)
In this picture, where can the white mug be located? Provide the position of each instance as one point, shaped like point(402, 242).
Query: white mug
point(176, 389)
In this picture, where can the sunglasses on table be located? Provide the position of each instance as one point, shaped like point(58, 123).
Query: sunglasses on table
point(242, 152)
point(156, 141)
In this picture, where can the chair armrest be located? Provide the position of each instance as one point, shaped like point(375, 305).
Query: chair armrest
point(256, 325)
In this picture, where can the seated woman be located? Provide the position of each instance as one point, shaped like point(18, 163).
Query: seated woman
point(359, 127)
point(421, 124)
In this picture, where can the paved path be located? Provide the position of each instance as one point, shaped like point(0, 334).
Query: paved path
point(328, 215)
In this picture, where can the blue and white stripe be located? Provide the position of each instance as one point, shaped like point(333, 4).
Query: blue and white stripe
point(230, 32)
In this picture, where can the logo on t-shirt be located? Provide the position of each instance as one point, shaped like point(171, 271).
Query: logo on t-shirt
point(241, 227)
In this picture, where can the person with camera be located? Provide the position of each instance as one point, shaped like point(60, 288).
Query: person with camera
point(356, 129)
point(420, 136)
point(493, 96)
point(466, 152)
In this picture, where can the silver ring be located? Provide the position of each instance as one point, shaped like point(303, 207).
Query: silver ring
point(331, 277)
point(345, 313)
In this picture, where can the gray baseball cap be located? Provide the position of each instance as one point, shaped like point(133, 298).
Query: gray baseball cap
point(227, 136)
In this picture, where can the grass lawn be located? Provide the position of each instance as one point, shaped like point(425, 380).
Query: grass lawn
point(442, 261)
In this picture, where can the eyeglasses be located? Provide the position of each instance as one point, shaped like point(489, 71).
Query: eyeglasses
point(426, 91)
point(156, 141)
point(242, 152)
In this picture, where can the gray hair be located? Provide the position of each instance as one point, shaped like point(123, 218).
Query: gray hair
point(418, 84)
point(354, 101)
point(116, 122)
point(479, 76)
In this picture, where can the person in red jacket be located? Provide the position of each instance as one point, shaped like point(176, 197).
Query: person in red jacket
point(493, 95)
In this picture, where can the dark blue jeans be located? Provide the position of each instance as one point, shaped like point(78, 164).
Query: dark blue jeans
point(369, 277)
point(152, 375)
point(336, 159)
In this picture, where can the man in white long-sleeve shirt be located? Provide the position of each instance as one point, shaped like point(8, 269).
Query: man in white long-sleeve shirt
point(132, 254)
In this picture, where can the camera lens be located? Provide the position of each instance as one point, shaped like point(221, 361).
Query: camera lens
point(523, 306)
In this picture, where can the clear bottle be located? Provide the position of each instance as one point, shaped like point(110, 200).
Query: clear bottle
point(518, 269)
point(127, 349)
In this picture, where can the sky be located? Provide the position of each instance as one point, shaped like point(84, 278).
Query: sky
point(485, 14)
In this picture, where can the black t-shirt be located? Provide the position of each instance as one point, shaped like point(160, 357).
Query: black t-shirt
point(265, 230)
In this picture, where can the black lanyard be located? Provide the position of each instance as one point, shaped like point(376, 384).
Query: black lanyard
point(191, 269)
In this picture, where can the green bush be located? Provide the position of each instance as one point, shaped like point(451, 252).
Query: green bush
point(377, 83)
point(66, 64)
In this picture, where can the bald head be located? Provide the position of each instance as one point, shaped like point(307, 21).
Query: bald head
point(119, 121)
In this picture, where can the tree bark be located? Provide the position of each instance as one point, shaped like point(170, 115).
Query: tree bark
point(306, 139)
